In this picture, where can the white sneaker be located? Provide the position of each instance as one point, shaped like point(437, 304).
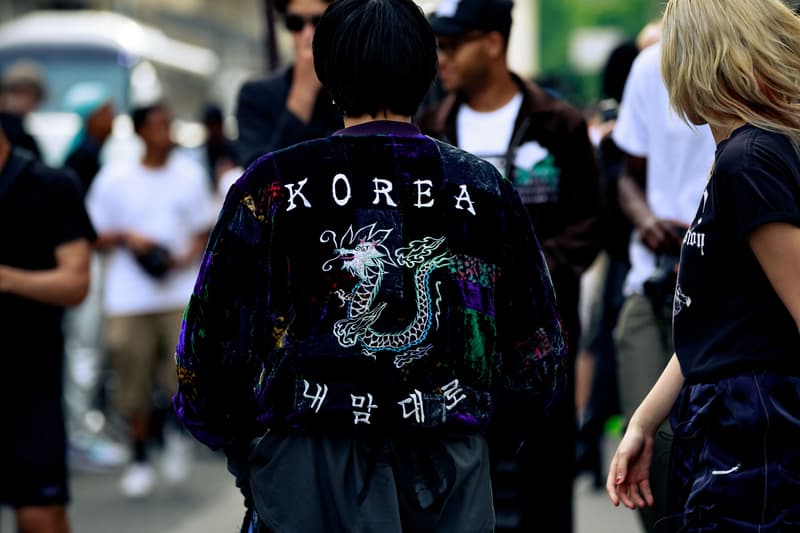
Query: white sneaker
point(176, 459)
point(95, 453)
point(138, 480)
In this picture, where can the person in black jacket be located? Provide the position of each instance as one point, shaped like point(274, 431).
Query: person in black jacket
point(541, 144)
point(290, 106)
point(363, 300)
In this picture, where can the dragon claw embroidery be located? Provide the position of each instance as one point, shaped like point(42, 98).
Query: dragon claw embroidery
point(343, 297)
point(364, 255)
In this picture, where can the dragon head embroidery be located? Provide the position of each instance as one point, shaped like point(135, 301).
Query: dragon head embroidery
point(361, 252)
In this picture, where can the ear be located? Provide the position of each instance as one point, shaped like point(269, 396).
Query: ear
point(496, 46)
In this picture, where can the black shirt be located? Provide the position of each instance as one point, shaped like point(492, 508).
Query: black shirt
point(85, 161)
point(41, 210)
point(727, 317)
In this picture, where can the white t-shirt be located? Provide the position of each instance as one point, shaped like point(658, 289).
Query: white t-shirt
point(169, 205)
point(679, 156)
point(488, 134)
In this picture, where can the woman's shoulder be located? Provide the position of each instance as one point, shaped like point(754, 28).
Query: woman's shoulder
point(751, 147)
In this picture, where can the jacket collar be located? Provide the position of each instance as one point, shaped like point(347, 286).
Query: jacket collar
point(381, 127)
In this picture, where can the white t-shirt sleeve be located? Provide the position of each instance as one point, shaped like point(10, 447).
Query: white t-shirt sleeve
point(100, 202)
point(631, 131)
point(203, 214)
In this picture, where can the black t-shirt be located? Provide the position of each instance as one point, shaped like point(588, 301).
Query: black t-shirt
point(727, 317)
point(85, 162)
point(41, 210)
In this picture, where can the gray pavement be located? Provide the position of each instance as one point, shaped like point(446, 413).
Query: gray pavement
point(593, 510)
point(209, 503)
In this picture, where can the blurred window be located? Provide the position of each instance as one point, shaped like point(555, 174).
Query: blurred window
point(67, 65)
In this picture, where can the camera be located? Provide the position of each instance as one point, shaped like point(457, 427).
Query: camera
point(659, 288)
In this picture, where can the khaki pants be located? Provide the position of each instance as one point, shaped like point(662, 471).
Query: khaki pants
point(142, 354)
point(644, 346)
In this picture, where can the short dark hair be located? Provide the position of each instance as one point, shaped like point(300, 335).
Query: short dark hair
point(375, 55)
point(212, 113)
point(616, 70)
point(139, 114)
point(280, 5)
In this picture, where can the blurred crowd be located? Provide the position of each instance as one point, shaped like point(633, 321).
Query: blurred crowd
point(600, 186)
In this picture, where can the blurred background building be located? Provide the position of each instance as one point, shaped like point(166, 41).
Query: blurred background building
point(197, 51)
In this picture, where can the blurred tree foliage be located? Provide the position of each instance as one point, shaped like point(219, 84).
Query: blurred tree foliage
point(557, 21)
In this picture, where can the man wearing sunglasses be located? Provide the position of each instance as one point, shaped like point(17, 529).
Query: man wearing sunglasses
point(290, 106)
point(541, 145)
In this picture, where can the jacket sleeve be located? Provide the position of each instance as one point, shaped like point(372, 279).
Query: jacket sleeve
point(531, 347)
point(573, 249)
point(264, 122)
point(217, 357)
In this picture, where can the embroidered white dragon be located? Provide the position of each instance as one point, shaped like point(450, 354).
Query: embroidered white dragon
point(364, 254)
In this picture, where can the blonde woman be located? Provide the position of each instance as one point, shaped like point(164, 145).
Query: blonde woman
point(733, 385)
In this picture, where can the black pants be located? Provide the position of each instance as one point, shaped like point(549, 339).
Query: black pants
point(532, 485)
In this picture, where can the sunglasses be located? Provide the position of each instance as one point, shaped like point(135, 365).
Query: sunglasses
point(295, 23)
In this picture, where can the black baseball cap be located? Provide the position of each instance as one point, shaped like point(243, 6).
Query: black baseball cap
point(456, 17)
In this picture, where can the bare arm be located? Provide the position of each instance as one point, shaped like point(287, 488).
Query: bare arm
point(657, 234)
point(128, 239)
point(632, 199)
point(65, 285)
point(629, 475)
point(777, 248)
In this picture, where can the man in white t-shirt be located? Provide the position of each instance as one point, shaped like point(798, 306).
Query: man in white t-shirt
point(666, 166)
point(541, 144)
point(152, 216)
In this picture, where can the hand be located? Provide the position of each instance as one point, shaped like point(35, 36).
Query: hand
point(629, 475)
point(136, 243)
point(305, 84)
point(5, 285)
point(660, 235)
point(183, 261)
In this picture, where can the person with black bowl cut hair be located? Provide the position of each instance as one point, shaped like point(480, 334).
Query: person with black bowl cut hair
point(363, 299)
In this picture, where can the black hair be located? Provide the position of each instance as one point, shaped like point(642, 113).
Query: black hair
point(139, 114)
point(617, 68)
point(212, 113)
point(280, 5)
point(375, 55)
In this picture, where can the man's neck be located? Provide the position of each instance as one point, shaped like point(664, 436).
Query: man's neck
point(382, 115)
point(498, 91)
point(154, 159)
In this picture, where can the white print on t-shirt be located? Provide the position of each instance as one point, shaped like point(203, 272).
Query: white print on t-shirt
point(696, 239)
point(703, 210)
point(680, 302)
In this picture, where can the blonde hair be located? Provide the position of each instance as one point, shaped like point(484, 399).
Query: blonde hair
point(725, 61)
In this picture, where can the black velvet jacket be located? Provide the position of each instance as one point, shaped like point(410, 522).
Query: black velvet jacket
point(374, 280)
